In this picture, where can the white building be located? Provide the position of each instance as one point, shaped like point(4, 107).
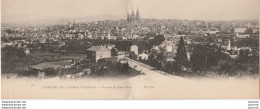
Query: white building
point(242, 35)
point(3, 44)
point(98, 52)
point(26, 51)
point(229, 45)
point(89, 35)
point(168, 46)
point(108, 36)
point(143, 56)
point(245, 48)
point(240, 30)
point(134, 48)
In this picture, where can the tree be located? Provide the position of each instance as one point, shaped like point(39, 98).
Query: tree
point(243, 56)
point(123, 67)
point(151, 58)
point(132, 55)
point(169, 67)
point(161, 60)
point(114, 52)
point(200, 58)
point(50, 71)
point(157, 40)
point(181, 55)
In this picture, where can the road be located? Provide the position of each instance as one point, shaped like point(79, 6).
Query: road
point(149, 72)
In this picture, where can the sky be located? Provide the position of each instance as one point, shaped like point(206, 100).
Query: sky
point(17, 11)
point(200, 9)
point(33, 10)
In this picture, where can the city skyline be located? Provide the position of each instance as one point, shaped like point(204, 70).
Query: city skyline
point(35, 11)
point(159, 49)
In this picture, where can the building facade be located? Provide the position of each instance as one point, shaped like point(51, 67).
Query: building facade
point(98, 52)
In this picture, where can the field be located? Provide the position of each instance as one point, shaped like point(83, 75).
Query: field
point(16, 65)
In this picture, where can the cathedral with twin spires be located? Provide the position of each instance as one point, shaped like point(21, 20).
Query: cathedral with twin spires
point(134, 16)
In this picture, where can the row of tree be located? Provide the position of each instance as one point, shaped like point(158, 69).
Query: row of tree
point(204, 58)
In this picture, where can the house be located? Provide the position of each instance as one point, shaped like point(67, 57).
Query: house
point(240, 30)
point(26, 51)
point(255, 31)
point(98, 52)
point(113, 37)
point(40, 69)
point(242, 35)
point(143, 56)
point(42, 40)
point(134, 48)
point(168, 45)
point(110, 46)
point(123, 61)
point(155, 48)
point(245, 48)
point(135, 37)
point(3, 44)
point(87, 71)
point(121, 55)
point(170, 56)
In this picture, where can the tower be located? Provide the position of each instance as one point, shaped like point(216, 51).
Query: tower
point(128, 17)
point(133, 15)
point(137, 14)
point(73, 22)
point(168, 46)
point(229, 45)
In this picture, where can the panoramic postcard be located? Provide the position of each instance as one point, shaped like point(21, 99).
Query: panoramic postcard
point(130, 49)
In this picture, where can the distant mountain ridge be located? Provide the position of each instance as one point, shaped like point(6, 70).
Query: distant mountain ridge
point(61, 21)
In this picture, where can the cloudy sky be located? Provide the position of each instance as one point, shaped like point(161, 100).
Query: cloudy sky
point(15, 11)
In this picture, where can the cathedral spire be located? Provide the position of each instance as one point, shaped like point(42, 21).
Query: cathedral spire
point(73, 24)
point(137, 14)
point(133, 13)
point(137, 9)
point(128, 17)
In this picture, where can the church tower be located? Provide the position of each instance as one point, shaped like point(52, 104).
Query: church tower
point(229, 45)
point(73, 22)
point(133, 15)
point(137, 14)
point(128, 17)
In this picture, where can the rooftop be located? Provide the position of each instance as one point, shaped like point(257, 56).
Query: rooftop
point(54, 65)
point(98, 48)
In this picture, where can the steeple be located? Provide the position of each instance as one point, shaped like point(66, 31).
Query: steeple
point(229, 45)
point(73, 22)
point(137, 13)
point(133, 13)
point(133, 16)
point(128, 17)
